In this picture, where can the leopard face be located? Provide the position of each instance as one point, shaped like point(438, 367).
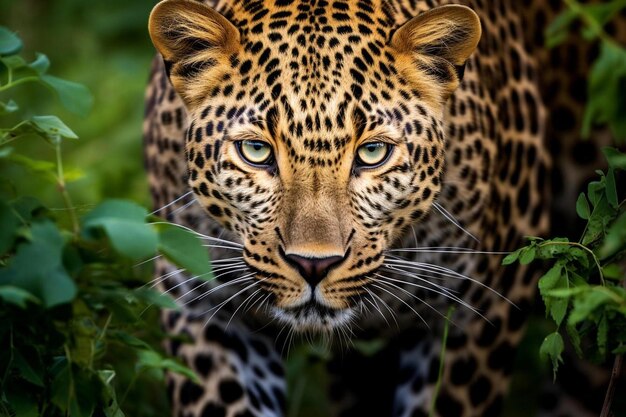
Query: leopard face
point(316, 135)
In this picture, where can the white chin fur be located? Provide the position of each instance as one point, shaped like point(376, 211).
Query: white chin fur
point(312, 320)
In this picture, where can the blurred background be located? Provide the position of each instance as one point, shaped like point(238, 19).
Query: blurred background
point(104, 45)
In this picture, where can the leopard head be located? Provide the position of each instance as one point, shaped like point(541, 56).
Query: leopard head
point(316, 134)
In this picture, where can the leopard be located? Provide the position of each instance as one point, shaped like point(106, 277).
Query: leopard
point(356, 169)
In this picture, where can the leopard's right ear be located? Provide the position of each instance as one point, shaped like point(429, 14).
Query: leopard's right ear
point(196, 43)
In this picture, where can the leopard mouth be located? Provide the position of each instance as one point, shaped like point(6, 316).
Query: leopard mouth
point(313, 316)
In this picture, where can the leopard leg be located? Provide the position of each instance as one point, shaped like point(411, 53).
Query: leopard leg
point(241, 373)
point(478, 361)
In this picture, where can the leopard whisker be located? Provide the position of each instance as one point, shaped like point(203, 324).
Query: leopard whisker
point(287, 339)
point(224, 241)
point(248, 298)
point(403, 302)
point(445, 213)
point(218, 307)
point(154, 258)
point(221, 247)
point(411, 295)
point(447, 249)
point(253, 303)
point(391, 312)
point(181, 208)
point(422, 266)
point(421, 277)
point(212, 290)
point(200, 235)
point(378, 309)
point(444, 293)
point(171, 203)
point(238, 265)
point(225, 260)
point(156, 281)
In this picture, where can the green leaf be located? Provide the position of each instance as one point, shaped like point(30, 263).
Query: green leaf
point(620, 350)
point(10, 43)
point(574, 337)
point(615, 158)
point(607, 91)
point(37, 267)
point(128, 340)
point(124, 224)
point(75, 97)
point(14, 62)
point(553, 248)
point(511, 257)
point(595, 191)
point(555, 279)
point(558, 30)
point(185, 249)
point(46, 169)
point(558, 307)
point(5, 151)
point(27, 371)
point(613, 271)
point(111, 407)
point(582, 207)
point(40, 64)
point(585, 304)
point(552, 348)
point(597, 222)
point(7, 108)
point(17, 296)
point(152, 360)
point(155, 298)
point(53, 126)
point(611, 188)
point(615, 240)
point(528, 255)
point(551, 279)
point(600, 13)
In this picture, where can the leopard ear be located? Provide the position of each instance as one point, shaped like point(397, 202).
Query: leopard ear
point(195, 42)
point(438, 42)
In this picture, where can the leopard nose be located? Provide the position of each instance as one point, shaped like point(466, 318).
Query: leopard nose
point(313, 270)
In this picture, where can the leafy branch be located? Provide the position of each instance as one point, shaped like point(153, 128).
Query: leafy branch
point(71, 296)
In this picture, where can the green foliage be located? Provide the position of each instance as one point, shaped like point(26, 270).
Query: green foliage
point(607, 81)
point(584, 289)
point(76, 333)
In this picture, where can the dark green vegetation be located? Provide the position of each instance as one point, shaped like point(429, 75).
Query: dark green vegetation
point(86, 332)
point(78, 333)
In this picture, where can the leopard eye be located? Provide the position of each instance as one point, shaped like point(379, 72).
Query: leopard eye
point(255, 152)
point(373, 154)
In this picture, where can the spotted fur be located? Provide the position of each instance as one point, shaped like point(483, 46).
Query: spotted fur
point(453, 92)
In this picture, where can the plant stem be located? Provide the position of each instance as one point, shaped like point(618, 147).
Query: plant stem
point(442, 357)
point(615, 374)
point(63, 189)
point(18, 82)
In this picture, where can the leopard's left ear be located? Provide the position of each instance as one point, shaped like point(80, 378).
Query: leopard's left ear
point(437, 43)
point(196, 43)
